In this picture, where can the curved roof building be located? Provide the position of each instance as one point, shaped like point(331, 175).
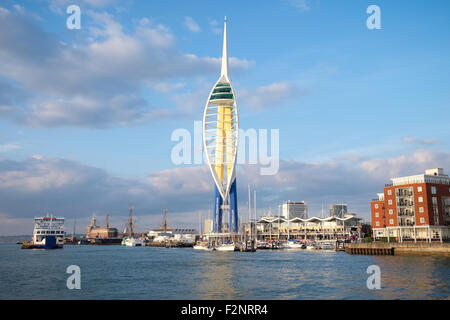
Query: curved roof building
point(220, 141)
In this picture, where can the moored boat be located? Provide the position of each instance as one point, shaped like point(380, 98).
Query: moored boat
point(48, 234)
point(293, 245)
point(228, 247)
point(133, 242)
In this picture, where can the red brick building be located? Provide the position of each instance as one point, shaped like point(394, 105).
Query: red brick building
point(415, 208)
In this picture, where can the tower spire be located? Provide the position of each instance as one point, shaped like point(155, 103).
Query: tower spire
point(224, 71)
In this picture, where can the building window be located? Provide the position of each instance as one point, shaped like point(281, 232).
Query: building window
point(376, 205)
point(377, 224)
point(390, 202)
point(420, 199)
point(419, 189)
point(391, 211)
point(377, 214)
point(391, 221)
point(389, 192)
point(433, 190)
point(421, 209)
point(422, 220)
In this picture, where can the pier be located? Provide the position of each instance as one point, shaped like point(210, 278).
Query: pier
point(381, 248)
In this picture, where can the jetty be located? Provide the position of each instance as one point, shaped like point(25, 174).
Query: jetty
point(390, 248)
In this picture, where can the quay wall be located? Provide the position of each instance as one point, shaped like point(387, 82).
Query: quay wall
point(399, 248)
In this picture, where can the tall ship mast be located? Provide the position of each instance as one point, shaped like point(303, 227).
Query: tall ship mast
point(131, 240)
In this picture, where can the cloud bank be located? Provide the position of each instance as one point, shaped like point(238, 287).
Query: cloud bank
point(33, 186)
point(107, 80)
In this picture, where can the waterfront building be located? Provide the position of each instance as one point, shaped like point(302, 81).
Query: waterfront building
point(292, 209)
point(93, 231)
point(338, 210)
point(413, 208)
point(220, 142)
point(314, 228)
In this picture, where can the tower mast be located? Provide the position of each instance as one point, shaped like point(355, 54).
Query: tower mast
point(224, 70)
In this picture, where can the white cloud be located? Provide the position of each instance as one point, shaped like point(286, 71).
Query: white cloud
point(272, 95)
point(94, 84)
point(7, 147)
point(302, 5)
point(191, 24)
point(419, 141)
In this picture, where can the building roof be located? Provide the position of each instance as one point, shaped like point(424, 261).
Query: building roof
point(312, 219)
point(436, 176)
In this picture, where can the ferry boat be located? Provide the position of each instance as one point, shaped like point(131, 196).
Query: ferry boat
point(48, 234)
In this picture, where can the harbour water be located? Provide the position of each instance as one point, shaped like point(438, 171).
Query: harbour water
point(116, 272)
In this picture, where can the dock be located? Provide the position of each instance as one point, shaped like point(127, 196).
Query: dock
point(390, 249)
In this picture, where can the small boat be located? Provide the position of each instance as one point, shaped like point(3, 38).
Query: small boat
point(293, 245)
point(133, 242)
point(327, 246)
point(226, 247)
point(203, 246)
point(310, 247)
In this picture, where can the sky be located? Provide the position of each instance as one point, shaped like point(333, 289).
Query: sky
point(86, 115)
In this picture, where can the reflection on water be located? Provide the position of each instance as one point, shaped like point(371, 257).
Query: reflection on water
point(114, 272)
point(414, 277)
point(216, 277)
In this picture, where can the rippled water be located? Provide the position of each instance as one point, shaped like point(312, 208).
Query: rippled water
point(115, 272)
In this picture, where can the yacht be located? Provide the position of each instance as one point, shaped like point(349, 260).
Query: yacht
point(293, 245)
point(203, 246)
point(226, 247)
point(327, 246)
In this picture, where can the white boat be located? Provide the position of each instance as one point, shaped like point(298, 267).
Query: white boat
point(292, 245)
point(202, 247)
point(310, 247)
point(327, 246)
point(226, 247)
point(133, 242)
point(48, 233)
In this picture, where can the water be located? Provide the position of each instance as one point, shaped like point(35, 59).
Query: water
point(115, 272)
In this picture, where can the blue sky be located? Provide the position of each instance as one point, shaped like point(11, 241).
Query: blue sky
point(351, 103)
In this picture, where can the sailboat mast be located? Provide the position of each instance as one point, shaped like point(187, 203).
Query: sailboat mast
point(249, 212)
point(254, 205)
point(165, 220)
point(130, 222)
